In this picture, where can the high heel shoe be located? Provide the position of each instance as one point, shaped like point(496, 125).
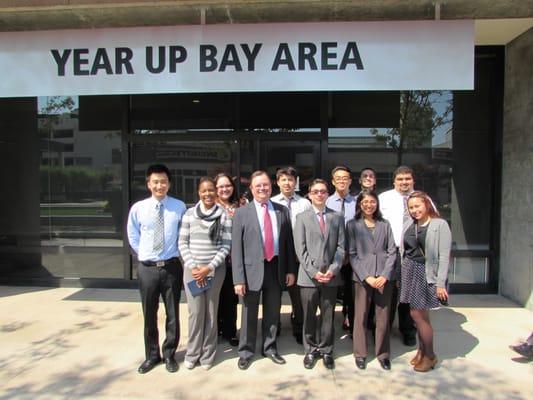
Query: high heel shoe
point(417, 358)
point(426, 364)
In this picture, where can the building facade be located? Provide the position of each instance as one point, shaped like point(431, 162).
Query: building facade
point(449, 94)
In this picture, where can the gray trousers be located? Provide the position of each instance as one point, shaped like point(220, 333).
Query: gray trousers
point(319, 333)
point(365, 297)
point(203, 332)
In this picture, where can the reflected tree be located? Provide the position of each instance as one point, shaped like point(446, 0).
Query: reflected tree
point(421, 113)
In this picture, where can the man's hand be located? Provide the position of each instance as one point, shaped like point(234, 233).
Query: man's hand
point(240, 290)
point(290, 279)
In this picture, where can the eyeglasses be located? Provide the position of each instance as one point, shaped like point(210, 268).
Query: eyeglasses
point(341, 178)
point(315, 192)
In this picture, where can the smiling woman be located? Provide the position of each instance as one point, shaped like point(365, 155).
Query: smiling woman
point(204, 243)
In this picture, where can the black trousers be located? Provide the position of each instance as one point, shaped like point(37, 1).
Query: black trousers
point(297, 317)
point(271, 296)
point(227, 306)
point(165, 282)
point(348, 295)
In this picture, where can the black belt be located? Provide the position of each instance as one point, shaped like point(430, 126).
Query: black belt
point(161, 263)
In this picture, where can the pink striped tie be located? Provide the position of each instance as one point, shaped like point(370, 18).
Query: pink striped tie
point(269, 235)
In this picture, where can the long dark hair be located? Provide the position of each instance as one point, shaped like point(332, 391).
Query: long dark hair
point(367, 193)
point(233, 198)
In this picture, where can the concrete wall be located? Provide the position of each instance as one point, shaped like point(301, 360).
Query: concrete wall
point(516, 265)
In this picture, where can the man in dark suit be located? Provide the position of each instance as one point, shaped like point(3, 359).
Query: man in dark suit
point(319, 243)
point(263, 263)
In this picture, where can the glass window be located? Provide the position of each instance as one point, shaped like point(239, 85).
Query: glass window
point(182, 113)
point(420, 138)
point(187, 161)
point(81, 215)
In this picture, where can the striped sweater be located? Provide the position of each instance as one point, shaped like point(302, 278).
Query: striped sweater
point(195, 246)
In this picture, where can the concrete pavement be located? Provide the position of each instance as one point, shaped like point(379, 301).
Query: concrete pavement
point(63, 343)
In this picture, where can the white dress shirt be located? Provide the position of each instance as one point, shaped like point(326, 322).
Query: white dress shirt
point(298, 205)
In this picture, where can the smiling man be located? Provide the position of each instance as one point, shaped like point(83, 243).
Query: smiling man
point(152, 228)
point(263, 262)
point(319, 243)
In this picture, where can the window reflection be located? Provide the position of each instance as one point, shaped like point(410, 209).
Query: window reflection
point(187, 161)
point(81, 194)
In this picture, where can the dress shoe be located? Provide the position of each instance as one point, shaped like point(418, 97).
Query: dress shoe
point(244, 363)
point(409, 341)
point(385, 364)
point(426, 364)
point(275, 357)
point(147, 365)
point(233, 341)
point(171, 364)
point(360, 362)
point(416, 359)
point(524, 349)
point(328, 361)
point(310, 360)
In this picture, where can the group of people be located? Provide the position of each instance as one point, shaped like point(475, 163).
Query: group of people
point(380, 252)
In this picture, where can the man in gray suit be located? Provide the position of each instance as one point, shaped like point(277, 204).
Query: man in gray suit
point(319, 244)
point(263, 262)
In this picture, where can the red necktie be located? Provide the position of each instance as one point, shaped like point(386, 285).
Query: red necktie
point(322, 223)
point(269, 235)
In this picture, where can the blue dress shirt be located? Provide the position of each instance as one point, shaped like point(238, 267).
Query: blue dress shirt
point(335, 203)
point(140, 228)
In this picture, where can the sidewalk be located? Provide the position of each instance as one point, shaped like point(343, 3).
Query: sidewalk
point(64, 343)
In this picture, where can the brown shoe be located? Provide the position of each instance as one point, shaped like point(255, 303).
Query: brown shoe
point(417, 358)
point(426, 364)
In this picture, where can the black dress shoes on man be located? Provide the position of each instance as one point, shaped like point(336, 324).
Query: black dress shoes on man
point(244, 363)
point(275, 357)
point(360, 362)
point(385, 364)
point(148, 365)
point(328, 361)
point(310, 360)
point(171, 364)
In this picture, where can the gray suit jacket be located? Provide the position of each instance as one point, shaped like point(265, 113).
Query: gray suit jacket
point(247, 256)
point(371, 255)
point(316, 251)
point(438, 245)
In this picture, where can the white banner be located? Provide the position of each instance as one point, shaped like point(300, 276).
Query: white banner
point(407, 55)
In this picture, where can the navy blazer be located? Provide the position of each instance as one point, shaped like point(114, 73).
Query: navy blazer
point(247, 257)
point(371, 254)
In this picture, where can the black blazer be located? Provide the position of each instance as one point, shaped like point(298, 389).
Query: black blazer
point(247, 256)
point(371, 255)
